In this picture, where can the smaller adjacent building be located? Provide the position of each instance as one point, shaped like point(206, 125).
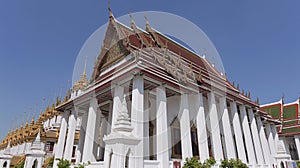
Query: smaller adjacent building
point(289, 128)
point(36, 137)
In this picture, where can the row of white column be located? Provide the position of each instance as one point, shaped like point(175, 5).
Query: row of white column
point(87, 145)
point(246, 139)
point(259, 148)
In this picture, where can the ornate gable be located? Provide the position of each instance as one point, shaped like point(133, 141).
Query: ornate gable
point(113, 47)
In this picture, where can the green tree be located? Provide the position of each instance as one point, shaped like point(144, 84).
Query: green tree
point(232, 163)
point(194, 163)
point(63, 163)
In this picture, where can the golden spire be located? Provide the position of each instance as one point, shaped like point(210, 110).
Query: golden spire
point(27, 119)
point(132, 24)
point(32, 120)
point(83, 82)
point(111, 16)
point(148, 27)
point(84, 70)
point(147, 21)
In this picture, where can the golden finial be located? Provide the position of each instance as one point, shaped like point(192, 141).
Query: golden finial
point(148, 27)
point(130, 16)
point(60, 91)
point(84, 70)
point(41, 114)
point(204, 52)
point(27, 119)
point(33, 117)
point(146, 18)
point(23, 119)
point(111, 16)
point(257, 100)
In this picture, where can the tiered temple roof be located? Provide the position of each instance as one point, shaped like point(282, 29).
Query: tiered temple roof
point(286, 114)
point(28, 131)
point(176, 63)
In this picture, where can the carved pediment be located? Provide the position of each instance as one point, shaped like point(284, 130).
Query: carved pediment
point(115, 53)
point(113, 47)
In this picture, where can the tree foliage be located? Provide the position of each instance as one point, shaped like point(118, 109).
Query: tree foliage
point(194, 163)
point(232, 163)
point(63, 163)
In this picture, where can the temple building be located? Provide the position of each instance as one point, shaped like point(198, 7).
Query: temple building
point(289, 129)
point(150, 103)
point(36, 137)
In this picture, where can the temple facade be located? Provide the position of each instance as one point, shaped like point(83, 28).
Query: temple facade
point(151, 103)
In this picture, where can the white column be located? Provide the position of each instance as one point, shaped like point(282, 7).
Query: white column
point(104, 124)
point(146, 125)
point(271, 142)
point(256, 140)
point(81, 138)
point(201, 129)
point(264, 142)
point(109, 119)
point(137, 118)
point(8, 163)
point(238, 133)
point(185, 128)
point(162, 127)
point(275, 136)
point(90, 132)
point(248, 137)
point(71, 135)
point(117, 104)
point(61, 139)
point(214, 125)
point(297, 142)
point(229, 142)
point(97, 133)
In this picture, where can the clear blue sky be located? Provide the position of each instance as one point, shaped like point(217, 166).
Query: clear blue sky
point(258, 41)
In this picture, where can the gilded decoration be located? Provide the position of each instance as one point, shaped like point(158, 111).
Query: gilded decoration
point(116, 52)
point(175, 66)
point(27, 132)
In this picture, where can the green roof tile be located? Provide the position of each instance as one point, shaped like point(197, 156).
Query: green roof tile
point(273, 110)
point(290, 111)
point(291, 130)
